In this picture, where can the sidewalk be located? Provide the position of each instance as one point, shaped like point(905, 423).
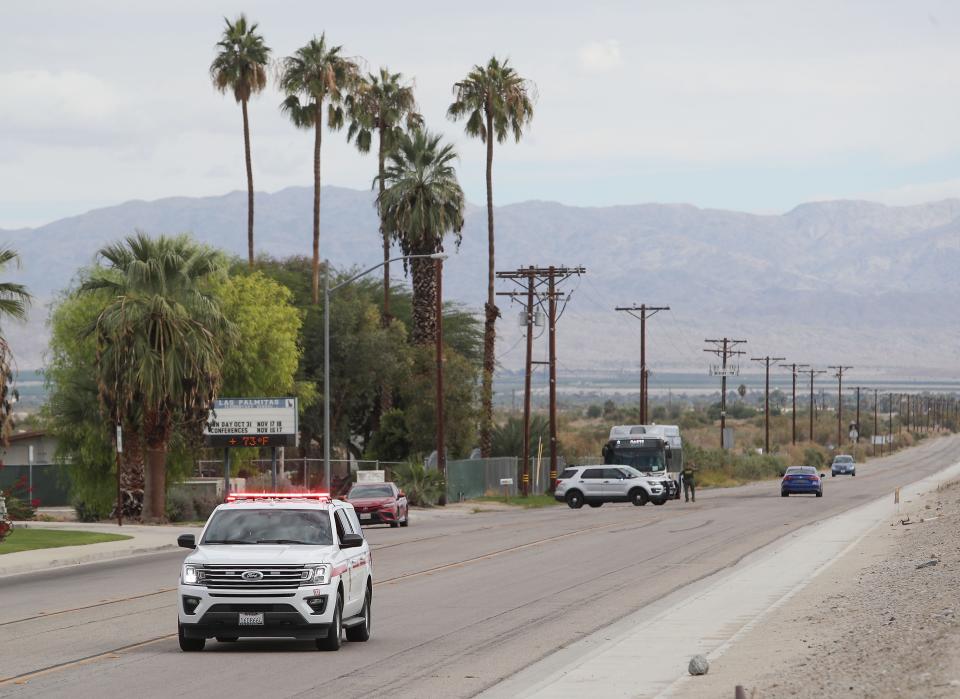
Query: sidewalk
point(145, 539)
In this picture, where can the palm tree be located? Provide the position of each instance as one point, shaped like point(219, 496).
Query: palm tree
point(379, 104)
point(240, 66)
point(314, 74)
point(160, 344)
point(496, 102)
point(14, 301)
point(422, 202)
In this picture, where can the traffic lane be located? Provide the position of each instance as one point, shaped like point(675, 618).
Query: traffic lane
point(34, 644)
point(591, 520)
point(529, 601)
point(58, 591)
point(54, 591)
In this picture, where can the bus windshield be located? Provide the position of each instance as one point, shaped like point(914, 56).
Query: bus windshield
point(641, 459)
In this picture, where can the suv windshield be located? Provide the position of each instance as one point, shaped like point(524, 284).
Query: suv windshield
point(645, 462)
point(370, 491)
point(248, 526)
point(843, 460)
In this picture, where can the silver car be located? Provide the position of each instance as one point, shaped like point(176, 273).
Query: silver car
point(843, 464)
point(595, 485)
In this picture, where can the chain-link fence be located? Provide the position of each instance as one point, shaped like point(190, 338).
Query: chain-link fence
point(296, 473)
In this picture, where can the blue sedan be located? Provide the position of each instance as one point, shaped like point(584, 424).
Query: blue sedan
point(799, 480)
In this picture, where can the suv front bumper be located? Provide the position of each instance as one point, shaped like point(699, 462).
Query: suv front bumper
point(306, 612)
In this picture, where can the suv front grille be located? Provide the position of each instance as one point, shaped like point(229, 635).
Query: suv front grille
point(284, 577)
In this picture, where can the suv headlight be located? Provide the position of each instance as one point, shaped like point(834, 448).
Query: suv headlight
point(190, 575)
point(318, 574)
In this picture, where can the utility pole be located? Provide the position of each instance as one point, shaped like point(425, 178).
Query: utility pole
point(908, 412)
point(725, 349)
point(531, 279)
point(876, 433)
point(857, 389)
point(441, 427)
point(645, 312)
point(890, 419)
point(766, 398)
point(839, 375)
point(813, 404)
point(793, 370)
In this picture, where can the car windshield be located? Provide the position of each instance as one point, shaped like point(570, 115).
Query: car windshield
point(643, 461)
point(843, 460)
point(249, 526)
point(371, 491)
point(806, 470)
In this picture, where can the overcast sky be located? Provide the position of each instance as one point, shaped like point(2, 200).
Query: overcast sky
point(755, 106)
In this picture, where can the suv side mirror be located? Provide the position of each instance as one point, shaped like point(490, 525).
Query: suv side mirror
point(187, 541)
point(351, 541)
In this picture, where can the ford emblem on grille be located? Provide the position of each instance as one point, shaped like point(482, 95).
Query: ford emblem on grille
point(252, 575)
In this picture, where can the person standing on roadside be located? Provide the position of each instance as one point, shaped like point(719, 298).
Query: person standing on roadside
point(689, 481)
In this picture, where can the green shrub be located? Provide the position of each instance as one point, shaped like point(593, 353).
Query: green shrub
point(89, 512)
point(180, 507)
point(814, 457)
point(423, 487)
point(19, 510)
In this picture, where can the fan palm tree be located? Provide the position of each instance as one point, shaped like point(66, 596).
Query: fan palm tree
point(316, 74)
point(497, 102)
point(421, 203)
point(241, 66)
point(381, 104)
point(14, 301)
point(160, 343)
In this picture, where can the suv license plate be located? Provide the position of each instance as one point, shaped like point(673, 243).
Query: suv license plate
point(251, 618)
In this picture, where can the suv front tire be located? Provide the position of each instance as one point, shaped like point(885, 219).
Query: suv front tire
point(638, 496)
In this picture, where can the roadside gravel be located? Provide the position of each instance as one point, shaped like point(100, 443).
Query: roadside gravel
point(880, 622)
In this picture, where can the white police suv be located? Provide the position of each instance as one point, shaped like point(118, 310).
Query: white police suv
point(290, 565)
point(595, 485)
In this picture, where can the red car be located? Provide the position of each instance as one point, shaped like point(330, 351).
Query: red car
point(379, 503)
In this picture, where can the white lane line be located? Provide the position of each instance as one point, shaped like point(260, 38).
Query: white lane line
point(646, 653)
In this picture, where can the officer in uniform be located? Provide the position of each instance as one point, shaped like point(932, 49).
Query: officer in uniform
point(689, 482)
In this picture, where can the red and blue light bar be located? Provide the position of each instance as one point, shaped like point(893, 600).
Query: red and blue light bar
point(320, 497)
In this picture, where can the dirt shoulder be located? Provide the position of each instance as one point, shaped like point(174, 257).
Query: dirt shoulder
point(881, 621)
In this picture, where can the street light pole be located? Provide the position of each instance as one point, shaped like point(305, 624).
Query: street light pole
point(441, 437)
point(327, 290)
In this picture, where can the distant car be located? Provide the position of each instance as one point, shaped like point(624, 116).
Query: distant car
point(379, 503)
point(595, 485)
point(843, 464)
point(799, 480)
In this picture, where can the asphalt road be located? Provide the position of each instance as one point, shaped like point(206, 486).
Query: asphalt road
point(461, 601)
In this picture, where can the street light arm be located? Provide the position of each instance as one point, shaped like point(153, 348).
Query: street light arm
point(433, 256)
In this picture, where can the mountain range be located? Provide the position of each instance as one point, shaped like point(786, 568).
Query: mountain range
point(838, 282)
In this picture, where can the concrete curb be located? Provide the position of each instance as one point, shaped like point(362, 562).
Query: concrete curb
point(71, 561)
point(146, 540)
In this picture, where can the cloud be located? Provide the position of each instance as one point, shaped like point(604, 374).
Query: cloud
point(32, 96)
point(600, 56)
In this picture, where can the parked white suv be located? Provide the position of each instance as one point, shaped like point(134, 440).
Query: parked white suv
point(278, 565)
point(595, 485)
